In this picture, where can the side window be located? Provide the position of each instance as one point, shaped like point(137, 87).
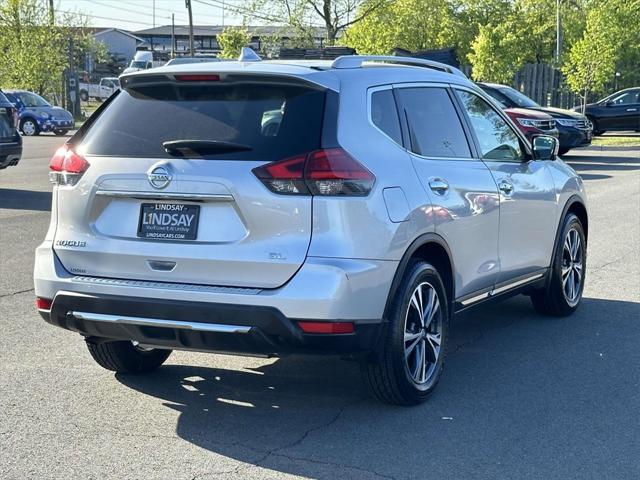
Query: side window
point(384, 114)
point(625, 98)
point(497, 96)
point(497, 140)
point(434, 127)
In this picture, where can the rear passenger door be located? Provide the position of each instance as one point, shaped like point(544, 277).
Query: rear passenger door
point(527, 192)
point(464, 196)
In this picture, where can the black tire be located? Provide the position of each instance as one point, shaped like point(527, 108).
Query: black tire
point(552, 300)
point(60, 132)
point(562, 151)
point(387, 373)
point(124, 357)
point(84, 95)
point(31, 132)
point(596, 132)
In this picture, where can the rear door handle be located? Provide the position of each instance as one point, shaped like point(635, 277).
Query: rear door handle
point(632, 109)
point(438, 185)
point(506, 187)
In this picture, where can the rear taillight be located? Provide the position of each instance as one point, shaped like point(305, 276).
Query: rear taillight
point(66, 167)
point(326, 172)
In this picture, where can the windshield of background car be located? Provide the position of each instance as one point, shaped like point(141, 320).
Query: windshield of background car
point(272, 121)
point(518, 98)
point(29, 99)
point(138, 64)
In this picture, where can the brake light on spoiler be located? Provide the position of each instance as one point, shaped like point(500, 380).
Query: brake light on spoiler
point(66, 167)
point(326, 172)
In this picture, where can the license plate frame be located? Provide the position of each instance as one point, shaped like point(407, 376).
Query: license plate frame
point(181, 224)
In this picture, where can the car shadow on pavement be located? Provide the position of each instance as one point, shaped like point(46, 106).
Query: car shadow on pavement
point(515, 385)
point(25, 199)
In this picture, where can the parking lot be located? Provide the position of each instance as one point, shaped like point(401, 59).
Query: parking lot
point(523, 396)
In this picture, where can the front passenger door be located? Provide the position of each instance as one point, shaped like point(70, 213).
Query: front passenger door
point(526, 188)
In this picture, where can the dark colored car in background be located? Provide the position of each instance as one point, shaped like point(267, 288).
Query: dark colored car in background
point(37, 115)
point(10, 139)
point(574, 129)
point(617, 112)
point(532, 123)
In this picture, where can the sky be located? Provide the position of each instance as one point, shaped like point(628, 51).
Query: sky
point(138, 14)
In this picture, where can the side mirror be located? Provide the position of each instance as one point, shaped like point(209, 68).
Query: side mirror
point(608, 103)
point(545, 147)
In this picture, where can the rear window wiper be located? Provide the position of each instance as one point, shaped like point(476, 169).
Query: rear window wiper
point(204, 146)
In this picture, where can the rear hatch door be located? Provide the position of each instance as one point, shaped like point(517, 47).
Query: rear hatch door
point(191, 211)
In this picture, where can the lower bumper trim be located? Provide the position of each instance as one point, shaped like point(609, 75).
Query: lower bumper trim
point(159, 322)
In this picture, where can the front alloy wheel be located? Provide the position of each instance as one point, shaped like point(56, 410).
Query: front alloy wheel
point(563, 292)
point(572, 267)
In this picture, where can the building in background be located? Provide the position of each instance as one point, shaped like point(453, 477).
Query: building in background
point(205, 38)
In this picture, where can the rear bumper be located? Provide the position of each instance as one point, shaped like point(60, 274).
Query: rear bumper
point(324, 289)
point(10, 153)
point(224, 328)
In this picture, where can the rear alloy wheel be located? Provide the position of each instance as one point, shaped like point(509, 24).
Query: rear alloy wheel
point(564, 290)
point(412, 358)
point(127, 357)
point(29, 127)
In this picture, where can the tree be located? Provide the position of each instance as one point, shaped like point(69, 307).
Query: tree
point(304, 15)
point(231, 41)
point(408, 24)
point(607, 38)
point(34, 52)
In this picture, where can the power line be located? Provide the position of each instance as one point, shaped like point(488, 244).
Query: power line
point(103, 18)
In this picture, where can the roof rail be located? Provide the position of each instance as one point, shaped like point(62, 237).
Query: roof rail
point(356, 61)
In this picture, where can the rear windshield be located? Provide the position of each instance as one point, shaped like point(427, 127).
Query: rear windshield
point(274, 121)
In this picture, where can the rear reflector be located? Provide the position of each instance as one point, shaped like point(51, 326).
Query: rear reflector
point(326, 172)
point(43, 303)
point(326, 327)
point(198, 78)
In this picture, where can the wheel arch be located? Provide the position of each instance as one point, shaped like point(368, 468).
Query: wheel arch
point(431, 248)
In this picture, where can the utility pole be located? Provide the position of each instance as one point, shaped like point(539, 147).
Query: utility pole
point(154, 13)
point(558, 33)
point(188, 4)
point(173, 35)
point(223, 13)
point(52, 18)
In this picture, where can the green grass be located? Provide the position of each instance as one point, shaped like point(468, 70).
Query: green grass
point(608, 141)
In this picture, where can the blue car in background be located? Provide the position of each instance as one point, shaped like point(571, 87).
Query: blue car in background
point(37, 115)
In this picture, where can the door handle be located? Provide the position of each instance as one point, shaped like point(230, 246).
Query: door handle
point(438, 185)
point(632, 109)
point(506, 187)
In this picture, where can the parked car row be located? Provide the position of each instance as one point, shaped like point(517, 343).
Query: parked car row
point(573, 128)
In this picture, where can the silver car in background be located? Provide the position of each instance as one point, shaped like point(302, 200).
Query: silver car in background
point(270, 207)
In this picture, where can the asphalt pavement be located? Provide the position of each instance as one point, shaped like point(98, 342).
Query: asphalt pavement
point(522, 397)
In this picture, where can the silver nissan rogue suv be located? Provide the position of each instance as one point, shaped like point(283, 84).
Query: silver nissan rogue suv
point(270, 207)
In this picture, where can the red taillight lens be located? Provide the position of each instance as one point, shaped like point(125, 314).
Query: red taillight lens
point(326, 327)
point(198, 78)
point(322, 172)
point(43, 303)
point(66, 166)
